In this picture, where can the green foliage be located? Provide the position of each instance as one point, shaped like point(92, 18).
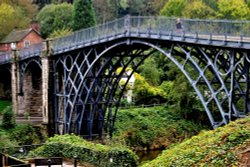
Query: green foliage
point(8, 121)
point(173, 8)
point(60, 33)
point(6, 140)
point(3, 105)
point(144, 91)
point(211, 148)
point(198, 9)
point(69, 146)
point(231, 9)
point(152, 128)
point(83, 14)
point(204, 9)
point(25, 134)
point(55, 17)
point(150, 71)
point(212, 4)
point(11, 17)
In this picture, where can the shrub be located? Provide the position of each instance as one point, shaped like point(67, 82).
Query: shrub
point(152, 128)
point(3, 105)
point(8, 121)
point(211, 148)
point(70, 146)
point(24, 134)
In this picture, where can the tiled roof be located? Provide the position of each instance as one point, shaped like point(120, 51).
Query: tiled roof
point(16, 35)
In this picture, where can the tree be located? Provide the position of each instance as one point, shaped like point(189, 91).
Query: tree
point(83, 14)
point(8, 121)
point(150, 71)
point(41, 3)
point(212, 4)
point(231, 9)
point(173, 8)
point(198, 9)
point(154, 6)
point(55, 17)
point(60, 33)
point(11, 18)
point(248, 3)
point(29, 8)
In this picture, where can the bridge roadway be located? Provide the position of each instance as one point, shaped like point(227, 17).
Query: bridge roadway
point(80, 83)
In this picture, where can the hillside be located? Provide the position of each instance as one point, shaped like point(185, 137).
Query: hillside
point(224, 146)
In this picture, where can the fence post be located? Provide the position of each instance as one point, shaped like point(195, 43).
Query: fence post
point(127, 24)
point(75, 161)
point(49, 162)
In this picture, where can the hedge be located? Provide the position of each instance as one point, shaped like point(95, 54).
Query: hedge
point(71, 146)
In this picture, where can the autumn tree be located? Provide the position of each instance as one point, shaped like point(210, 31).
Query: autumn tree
point(231, 9)
point(198, 9)
point(173, 8)
point(28, 7)
point(83, 14)
point(10, 18)
point(54, 17)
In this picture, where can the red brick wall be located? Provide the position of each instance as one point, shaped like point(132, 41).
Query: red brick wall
point(33, 37)
point(4, 47)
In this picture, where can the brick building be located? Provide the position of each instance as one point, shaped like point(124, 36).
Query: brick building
point(22, 38)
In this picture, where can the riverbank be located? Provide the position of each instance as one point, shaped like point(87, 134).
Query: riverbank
point(224, 146)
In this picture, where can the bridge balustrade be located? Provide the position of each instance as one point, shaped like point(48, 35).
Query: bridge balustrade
point(218, 30)
point(31, 51)
point(81, 37)
point(5, 57)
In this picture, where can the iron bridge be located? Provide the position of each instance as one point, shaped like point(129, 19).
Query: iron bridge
point(212, 54)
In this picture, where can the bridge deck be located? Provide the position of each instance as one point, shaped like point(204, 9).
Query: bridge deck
point(225, 33)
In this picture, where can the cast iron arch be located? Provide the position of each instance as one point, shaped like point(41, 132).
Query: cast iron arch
point(196, 57)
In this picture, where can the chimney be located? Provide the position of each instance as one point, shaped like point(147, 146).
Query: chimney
point(35, 25)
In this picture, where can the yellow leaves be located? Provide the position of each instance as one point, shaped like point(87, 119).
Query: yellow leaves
point(10, 18)
point(231, 9)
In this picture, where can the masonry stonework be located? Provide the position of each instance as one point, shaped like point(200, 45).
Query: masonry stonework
point(45, 88)
point(26, 97)
point(31, 99)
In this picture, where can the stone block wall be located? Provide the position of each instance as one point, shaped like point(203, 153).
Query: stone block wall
point(31, 99)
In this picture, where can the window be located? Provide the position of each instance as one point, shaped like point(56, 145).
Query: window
point(26, 43)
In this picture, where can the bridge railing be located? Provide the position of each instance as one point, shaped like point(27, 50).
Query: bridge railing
point(216, 30)
point(87, 35)
point(5, 57)
point(31, 51)
point(223, 30)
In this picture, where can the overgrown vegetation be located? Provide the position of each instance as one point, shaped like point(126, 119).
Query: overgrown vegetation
point(153, 128)
point(12, 134)
point(70, 146)
point(3, 105)
point(218, 147)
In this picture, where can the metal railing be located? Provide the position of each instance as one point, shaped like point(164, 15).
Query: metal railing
point(164, 27)
point(159, 27)
point(31, 51)
point(5, 57)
